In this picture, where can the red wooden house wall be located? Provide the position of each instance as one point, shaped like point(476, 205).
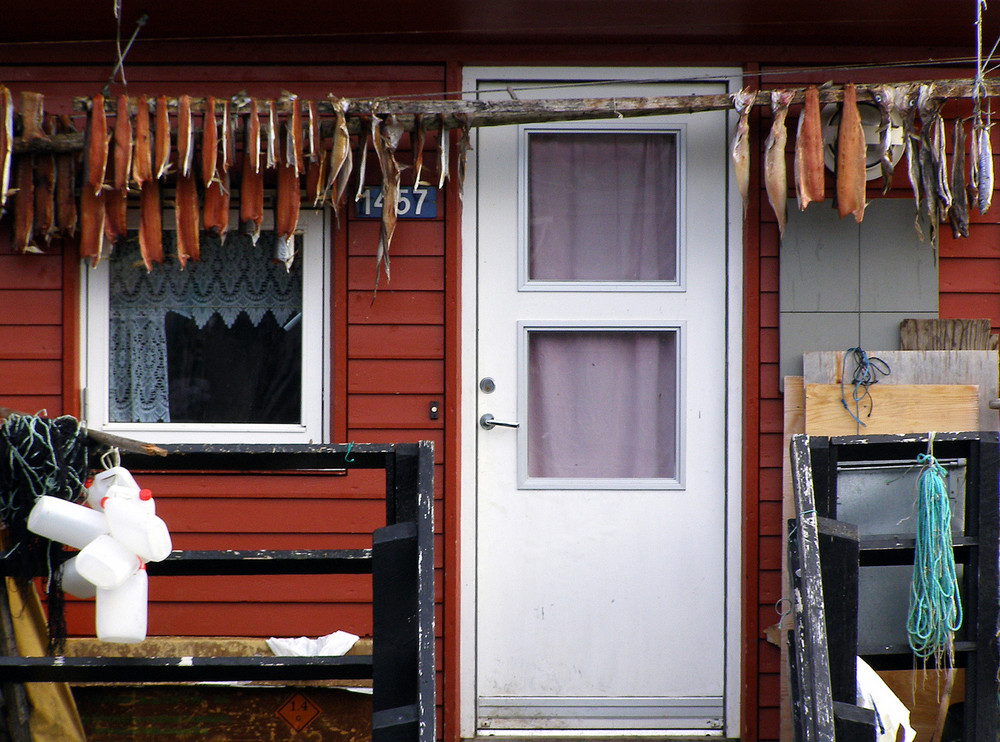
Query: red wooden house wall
point(388, 366)
point(392, 359)
point(969, 287)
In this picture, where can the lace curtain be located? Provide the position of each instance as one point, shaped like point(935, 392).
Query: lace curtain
point(230, 278)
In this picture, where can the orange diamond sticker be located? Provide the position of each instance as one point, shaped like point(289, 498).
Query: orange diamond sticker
point(298, 712)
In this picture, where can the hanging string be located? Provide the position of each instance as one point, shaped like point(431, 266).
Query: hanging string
point(935, 611)
point(867, 369)
point(39, 457)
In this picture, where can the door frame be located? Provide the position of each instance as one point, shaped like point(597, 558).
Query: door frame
point(469, 380)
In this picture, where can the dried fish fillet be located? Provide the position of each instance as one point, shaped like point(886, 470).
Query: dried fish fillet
point(97, 145)
point(775, 174)
point(162, 138)
point(185, 135)
point(851, 168)
point(740, 150)
point(142, 151)
point(150, 224)
point(809, 166)
point(209, 142)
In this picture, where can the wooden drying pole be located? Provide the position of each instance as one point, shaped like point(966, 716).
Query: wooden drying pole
point(458, 114)
point(104, 439)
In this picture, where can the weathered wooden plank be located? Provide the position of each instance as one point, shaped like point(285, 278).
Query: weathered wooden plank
point(795, 423)
point(946, 334)
point(978, 367)
point(892, 408)
point(181, 669)
point(812, 695)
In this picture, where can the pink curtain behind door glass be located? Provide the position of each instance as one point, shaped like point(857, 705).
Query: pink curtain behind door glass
point(602, 404)
point(602, 206)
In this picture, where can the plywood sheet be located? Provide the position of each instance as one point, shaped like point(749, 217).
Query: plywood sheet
point(892, 408)
point(978, 367)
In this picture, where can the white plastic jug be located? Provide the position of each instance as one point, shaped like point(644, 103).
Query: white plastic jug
point(120, 492)
point(137, 529)
point(121, 612)
point(115, 476)
point(66, 522)
point(74, 583)
point(106, 563)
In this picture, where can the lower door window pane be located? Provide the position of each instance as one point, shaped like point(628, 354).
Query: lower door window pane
point(602, 404)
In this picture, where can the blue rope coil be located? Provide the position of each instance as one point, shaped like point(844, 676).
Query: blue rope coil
point(935, 612)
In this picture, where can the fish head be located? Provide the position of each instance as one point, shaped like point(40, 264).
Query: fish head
point(743, 100)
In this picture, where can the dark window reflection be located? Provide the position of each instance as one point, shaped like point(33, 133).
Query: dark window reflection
point(243, 373)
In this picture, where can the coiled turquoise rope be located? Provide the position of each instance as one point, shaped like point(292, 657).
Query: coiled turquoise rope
point(935, 612)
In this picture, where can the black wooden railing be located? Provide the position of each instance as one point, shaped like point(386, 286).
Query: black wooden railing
point(401, 562)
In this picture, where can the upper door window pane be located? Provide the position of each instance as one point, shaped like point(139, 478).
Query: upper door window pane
point(602, 206)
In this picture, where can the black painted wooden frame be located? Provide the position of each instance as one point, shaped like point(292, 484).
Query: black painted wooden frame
point(401, 562)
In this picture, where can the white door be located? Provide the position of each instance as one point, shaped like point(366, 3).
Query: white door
point(603, 533)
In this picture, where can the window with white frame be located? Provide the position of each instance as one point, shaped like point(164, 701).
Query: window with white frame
point(233, 348)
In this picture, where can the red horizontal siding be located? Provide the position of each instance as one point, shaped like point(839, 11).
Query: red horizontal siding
point(30, 377)
point(396, 341)
point(31, 342)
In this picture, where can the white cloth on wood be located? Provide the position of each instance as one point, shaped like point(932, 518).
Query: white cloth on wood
point(890, 713)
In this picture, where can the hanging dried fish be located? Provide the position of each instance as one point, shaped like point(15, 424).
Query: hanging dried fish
point(253, 144)
point(390, 196)
point(209, 142)
point(315, 176)
point(444, 152)
point(24, 205)
point(315, 139)
point(775, 175)
point(927, 218)
point(809, 167)
point(740, 151)
point(162, 141)
point(362, 156)
point(929, 107)
point(115, 214)
point(984, 167)
point(316, 157)
point(905, 100)
point(252, 180)
point(45, 188)
point(123, 145)
point(420, 136)
point(287, 201)
point(959, 214)
point(885, 99)
point(32, 117)
point(293, 138)
point(65, 197)
point(341, 161)
point(393, 130)
point(91, 225)
point(185, 135)
point(142, 151)
point(216, 205)
point(272, 134)
point(97, 145)
point(186, 216)
point(150, 224)
point(228, 135)
point(851, 175)
point(6, 144)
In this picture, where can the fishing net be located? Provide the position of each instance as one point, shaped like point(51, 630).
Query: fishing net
point(39, 457)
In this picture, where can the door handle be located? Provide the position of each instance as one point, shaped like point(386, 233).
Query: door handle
point(488, 423)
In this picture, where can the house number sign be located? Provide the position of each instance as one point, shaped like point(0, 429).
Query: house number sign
point(416, 202)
